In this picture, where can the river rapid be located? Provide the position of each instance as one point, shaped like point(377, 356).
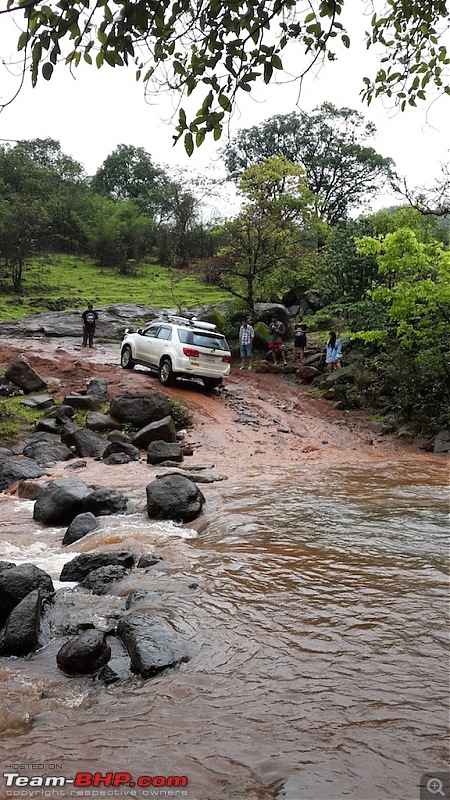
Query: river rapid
point(316, 602)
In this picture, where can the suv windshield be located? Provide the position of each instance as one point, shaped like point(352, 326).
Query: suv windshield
point(203, 339)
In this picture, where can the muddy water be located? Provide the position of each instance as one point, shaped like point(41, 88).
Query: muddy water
point(318, 624)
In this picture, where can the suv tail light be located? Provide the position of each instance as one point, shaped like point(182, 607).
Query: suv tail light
point(190, 352)
point(227, 359)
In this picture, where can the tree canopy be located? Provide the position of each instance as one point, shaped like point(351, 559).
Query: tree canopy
point(128, 173)
point(221, 47)
point(330, 143)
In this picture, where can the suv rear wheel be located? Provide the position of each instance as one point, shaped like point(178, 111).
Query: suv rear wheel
point(126, 361)
point(166, 374)
point(211, 383)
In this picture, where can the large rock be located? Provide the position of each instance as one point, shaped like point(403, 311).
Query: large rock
point(113, 321)
point(265, 312)
point(38, 402)
point(21, 633)
point(163, 430)
point(442, 442)
point(102, 501)
point(122, 447)
point(98, 389)
point(307, 373)
point(85, 443)
point(159, 452)
point(81, 565)
point(84, 401)
point(14, 469)
point(98, 581)
point(151, 643)
point(139, 409)
point(17, 582)
point(61, 412)
point(101, 423)
point(174, 497)
point(61, 502)
point(81, 525)
point(25, 377)
point(86, 653)
point(47, 453)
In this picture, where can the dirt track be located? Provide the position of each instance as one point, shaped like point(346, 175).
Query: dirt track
point(257, 422)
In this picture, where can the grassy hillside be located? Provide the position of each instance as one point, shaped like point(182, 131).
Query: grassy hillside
point(59, 282)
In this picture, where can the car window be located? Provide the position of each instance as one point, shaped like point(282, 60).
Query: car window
point(151, 332)
point(206, 339)
point(164, 333)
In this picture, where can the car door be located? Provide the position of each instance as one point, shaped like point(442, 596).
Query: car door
point(145, 344)
point(161, 343)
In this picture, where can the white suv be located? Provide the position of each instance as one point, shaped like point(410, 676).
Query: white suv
point(178, 347)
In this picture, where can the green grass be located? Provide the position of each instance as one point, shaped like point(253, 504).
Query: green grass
point(16, 421)
point(58, 282)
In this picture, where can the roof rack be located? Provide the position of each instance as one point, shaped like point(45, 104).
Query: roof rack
point(191, 321)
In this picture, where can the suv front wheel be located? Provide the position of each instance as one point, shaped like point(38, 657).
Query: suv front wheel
point(166, 374)
point(126, 360)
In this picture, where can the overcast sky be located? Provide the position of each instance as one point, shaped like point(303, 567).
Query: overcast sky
point(92, 114)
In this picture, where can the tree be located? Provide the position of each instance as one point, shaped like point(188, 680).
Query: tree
point(128, 173)
point(268, 234)
point(222, 47)
point(430, 201)
point(118, 235)
point(330, 144)
point(25, 217)
point(414, 288)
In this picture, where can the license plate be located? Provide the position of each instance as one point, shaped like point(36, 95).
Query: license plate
point(211, 359)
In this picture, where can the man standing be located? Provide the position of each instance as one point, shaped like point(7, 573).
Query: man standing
point(276, 329)
point(89, 323)
point(246, 336)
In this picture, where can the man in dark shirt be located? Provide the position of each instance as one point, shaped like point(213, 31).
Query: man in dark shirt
point(89, 323)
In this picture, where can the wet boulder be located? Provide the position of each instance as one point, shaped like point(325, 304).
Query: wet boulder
point(98, 389)
point(17, 582)
point(82, 400)
point(14, 469)
point(102, 501)
point(442, 442)
point(148, 560)
point(25, 377)
point(174, 497)
point(160, 452)
point(124, 448)
point(61, 501)
point(84, 654)
point(81, 525)
point(152, 643)
point(85, 443)
point(38, 402)
point(140, 409)
point(81, 565)
point(47, 452)
point(50, 425)
point(98, 581)
point(21, 632)
point(62, 413)
point(307, 373)
point(37, 436)
point(101, 423)
point(163, 430)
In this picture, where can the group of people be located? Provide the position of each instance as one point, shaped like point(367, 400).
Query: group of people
point(333, 355)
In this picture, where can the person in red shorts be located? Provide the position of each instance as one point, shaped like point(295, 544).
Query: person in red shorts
point(277, 329)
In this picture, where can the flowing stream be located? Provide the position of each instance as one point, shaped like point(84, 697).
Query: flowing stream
point(319, 623)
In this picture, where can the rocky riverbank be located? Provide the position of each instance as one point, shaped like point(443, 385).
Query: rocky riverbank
point(130, 459)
